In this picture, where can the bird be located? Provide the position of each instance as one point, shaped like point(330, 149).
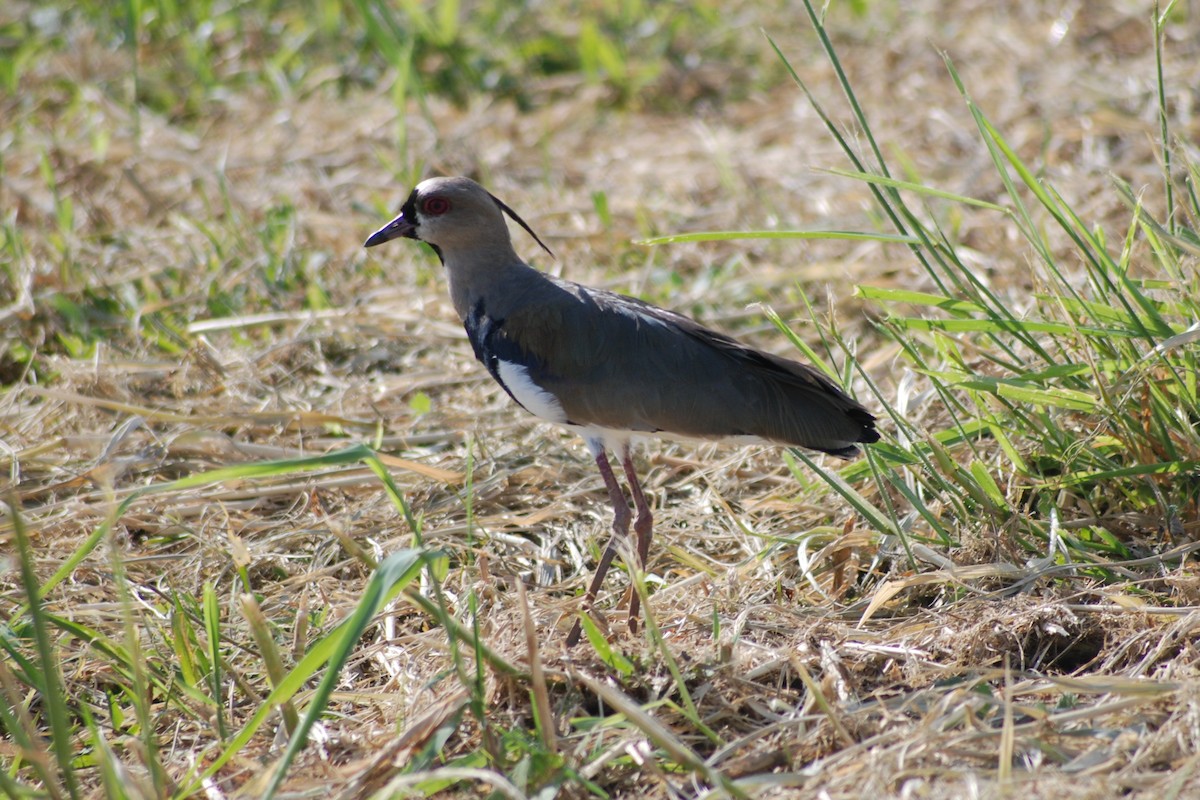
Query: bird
point(612, 367)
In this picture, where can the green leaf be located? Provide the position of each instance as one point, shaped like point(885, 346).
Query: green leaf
point(420, 403)
point(614, 659)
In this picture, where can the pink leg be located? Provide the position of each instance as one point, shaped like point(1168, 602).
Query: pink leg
point(643, 527)
point(620, 533)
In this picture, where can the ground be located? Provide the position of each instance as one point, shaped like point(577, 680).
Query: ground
point(187, 292)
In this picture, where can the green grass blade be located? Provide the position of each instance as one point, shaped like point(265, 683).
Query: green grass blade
point(916, 188)
point(212, 631)
point(394, 573)
point(725, 236)
point(54, 698)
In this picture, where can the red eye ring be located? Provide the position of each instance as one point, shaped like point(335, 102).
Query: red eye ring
point(435, 206)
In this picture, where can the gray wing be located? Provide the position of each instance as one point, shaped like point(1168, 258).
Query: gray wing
point(617, 362)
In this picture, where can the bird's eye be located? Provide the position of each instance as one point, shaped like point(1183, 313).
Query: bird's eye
point(436, 206)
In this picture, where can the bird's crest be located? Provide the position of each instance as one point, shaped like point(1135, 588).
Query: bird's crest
point(516, 218)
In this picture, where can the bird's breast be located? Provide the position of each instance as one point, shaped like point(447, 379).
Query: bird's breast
point(511, 364)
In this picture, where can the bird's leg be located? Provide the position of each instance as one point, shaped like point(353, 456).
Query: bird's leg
point(620, 534)
point(643, 527)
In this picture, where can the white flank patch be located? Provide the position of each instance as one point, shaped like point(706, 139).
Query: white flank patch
point(535, 399)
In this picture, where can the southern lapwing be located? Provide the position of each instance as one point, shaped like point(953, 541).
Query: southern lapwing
point(611, 367)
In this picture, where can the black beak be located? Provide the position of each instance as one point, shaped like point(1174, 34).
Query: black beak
point(399, 227)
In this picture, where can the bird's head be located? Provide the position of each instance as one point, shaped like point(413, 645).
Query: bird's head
point(450, 214)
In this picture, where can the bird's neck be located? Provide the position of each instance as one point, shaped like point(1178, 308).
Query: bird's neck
point(491, 276)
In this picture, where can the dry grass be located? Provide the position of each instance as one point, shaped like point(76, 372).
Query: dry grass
point(819, 662)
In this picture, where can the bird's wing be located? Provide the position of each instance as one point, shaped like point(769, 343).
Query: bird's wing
point(617, 362)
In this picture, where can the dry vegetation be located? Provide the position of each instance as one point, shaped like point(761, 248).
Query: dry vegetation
point(183, 290)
